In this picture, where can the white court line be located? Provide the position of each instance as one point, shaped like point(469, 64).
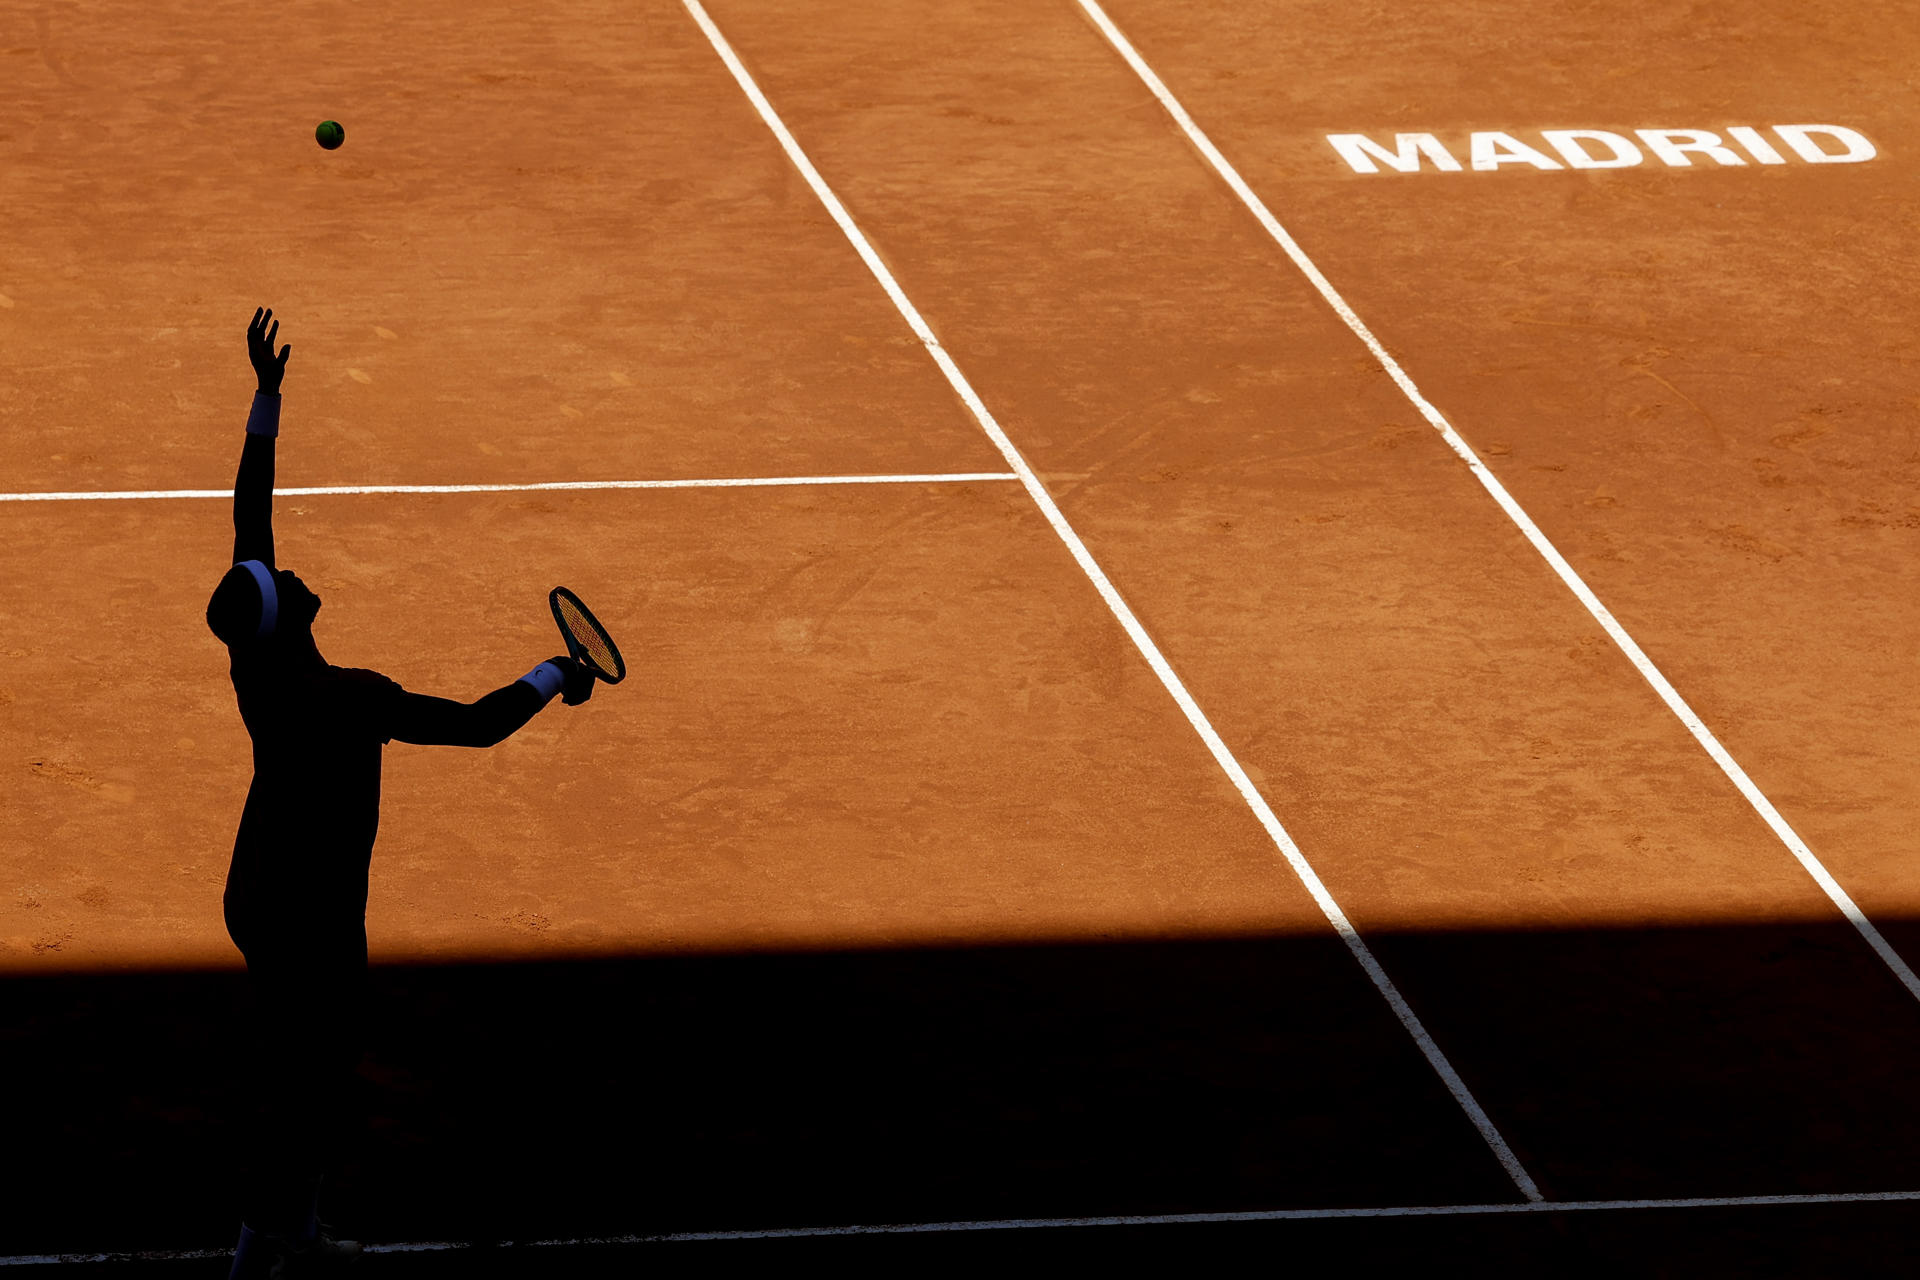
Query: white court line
point(1044, 500)
point(1701, 734)
point(1297, 1215)
point(107, 495)
point(1044, 1224)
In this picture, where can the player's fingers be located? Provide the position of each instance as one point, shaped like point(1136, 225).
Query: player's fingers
point(285, 352)
point(273, 332)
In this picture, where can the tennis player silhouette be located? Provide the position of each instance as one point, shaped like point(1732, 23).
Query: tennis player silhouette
point(296, 894)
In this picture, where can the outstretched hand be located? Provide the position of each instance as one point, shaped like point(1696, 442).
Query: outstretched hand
point(579, 681)
point(269, 367)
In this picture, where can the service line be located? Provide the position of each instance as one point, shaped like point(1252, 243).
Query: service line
point(108, 495)
point(1522, 1180)
point(1643, 664)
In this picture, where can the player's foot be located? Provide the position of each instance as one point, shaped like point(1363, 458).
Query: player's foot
point(324, 1255)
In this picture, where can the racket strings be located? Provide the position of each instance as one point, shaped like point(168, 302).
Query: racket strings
point(594, 644)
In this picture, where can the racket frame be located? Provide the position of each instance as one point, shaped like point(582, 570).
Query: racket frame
point(574, 650)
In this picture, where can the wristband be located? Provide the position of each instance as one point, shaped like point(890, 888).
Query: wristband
point(547, 679)
point(264, 420)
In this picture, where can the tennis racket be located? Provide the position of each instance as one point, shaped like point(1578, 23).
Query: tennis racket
point(587, 641)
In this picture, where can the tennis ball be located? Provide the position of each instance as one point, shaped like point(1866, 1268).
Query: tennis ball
point(330, 134)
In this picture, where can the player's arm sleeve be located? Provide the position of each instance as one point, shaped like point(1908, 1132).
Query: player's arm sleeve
point(253, 487)
point(441, 722)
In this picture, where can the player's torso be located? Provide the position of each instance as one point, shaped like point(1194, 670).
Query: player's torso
point(312, 813)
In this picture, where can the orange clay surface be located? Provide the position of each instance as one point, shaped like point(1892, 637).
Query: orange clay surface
point(837, 732)
point(562, 246)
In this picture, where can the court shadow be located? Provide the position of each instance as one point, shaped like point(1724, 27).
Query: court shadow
point(626, 1095)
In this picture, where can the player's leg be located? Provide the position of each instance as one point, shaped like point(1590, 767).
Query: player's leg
point(337, 1025)
point(301, 1052)
point(272, 1191)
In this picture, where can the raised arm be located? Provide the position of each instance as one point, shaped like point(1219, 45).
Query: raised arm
point(253, 487)
point(441, 722)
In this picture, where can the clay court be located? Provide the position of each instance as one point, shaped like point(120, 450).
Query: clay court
point(1194, 685)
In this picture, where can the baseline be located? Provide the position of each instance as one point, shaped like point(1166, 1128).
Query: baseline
point(1223, 756)
point(1302, 1215)
point(1045, 1224)
point(1551, 554)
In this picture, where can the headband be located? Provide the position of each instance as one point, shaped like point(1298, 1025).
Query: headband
point(269, 598)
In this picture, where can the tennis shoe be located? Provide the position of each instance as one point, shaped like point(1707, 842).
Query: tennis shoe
point(324, 1255)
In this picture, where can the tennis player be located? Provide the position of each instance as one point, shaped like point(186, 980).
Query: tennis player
point(296, 895)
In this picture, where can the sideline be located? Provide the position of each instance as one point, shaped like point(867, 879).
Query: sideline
point(1675, 703)
point(1224, 757)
